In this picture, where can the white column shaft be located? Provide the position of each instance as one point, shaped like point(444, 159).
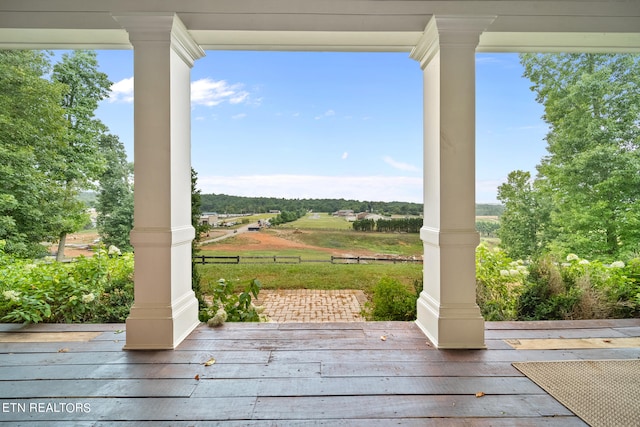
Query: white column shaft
point(165, 310)
point(447, 309)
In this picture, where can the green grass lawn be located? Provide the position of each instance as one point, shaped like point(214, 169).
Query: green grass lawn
point(320, 275)
point(319, 220)
point(311, 275)
point(401, 244)
point(244, 220)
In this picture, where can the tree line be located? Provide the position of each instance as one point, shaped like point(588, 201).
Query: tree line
point(223, 203)
point(286, 216)
point(393, 225)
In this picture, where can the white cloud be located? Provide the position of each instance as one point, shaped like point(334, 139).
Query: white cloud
point(239, 98)
point(209, 92)
point(371, 188)
point(345, 155)
point(122, 91)
point(239, 116)
point(328, 113)
point(399, 165)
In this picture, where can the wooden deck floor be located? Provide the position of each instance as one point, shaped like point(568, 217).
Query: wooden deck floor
point(311, 374)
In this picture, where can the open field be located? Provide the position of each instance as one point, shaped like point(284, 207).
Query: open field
point(318, 242)
point(320, 220)
point(239, 221)
point(311, 275)
point(315, 245)
point(488, 218)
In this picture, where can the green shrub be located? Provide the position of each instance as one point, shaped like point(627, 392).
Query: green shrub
point(580, 289)
point(545, 295)
point(626, 293)
point(82, 291)
point(117, 296)
point(391, 300)
point(498, 283)
point(228, 305)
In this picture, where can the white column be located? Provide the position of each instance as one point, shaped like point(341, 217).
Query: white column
point(447, 309)
point(165, 310)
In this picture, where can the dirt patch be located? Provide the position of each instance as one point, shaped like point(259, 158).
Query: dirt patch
point(274, 241)
point(262, 241)
point(77, 244)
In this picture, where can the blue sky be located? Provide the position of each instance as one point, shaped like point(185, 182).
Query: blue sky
point(332, 125)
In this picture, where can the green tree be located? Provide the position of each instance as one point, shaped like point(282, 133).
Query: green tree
point(85, 87)
point(592, 105)
point(32, 130)
point(196, 210)
point(115, 195)
point(487, 228)
point(523, 216)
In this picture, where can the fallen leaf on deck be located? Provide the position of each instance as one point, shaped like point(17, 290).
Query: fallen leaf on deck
point(383, 338)
point(607, 341)
point(63, 350)
point(210, 362)
point(197, 377)
point(118, 331)
point(480, 394)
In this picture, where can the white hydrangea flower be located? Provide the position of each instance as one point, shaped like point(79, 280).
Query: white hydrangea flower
point(584, 261)
point(504, 272)
point(87, 298)
point(617, 264)
point(218, 319)
point(11, 295)
point(572, 257)
point(113, 250)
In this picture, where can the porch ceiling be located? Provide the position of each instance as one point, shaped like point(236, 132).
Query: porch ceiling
point(332, 25)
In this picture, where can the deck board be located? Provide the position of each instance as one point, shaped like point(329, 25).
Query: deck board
point(400, 407)
point(350, 374)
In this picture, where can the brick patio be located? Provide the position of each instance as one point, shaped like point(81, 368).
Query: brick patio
point(311, 305)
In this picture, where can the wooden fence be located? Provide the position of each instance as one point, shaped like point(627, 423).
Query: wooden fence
point(277, 259)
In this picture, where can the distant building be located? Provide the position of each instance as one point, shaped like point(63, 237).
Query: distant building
point(344, 213)
point(210, 219)
point(367, 215)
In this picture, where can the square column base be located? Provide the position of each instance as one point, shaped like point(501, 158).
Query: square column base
point(161, 328)
point(451, 327)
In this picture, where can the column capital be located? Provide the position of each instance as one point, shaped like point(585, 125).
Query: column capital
point(159, 28)
point(452, 31)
